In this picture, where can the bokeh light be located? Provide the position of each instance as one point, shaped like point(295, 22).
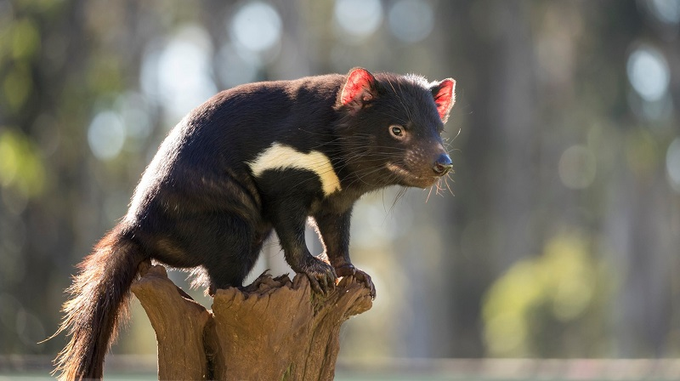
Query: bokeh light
point(179, 75)
point(577, 167)
point(666, 11)
point(106, 135)
point(648, 73)
point(673, 164)
point(256, 26)
point(358, 19)
point(135, 111)
point(411, 20)
point(233, 69)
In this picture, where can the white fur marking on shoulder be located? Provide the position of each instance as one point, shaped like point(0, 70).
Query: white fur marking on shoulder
point(280, 156)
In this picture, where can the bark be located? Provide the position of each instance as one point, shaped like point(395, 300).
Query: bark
point(274, 329)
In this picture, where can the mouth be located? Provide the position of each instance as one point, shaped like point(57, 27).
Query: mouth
point(408, 178)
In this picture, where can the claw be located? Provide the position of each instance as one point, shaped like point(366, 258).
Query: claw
point(321, 276)
point(314, 283)
point(348, 269)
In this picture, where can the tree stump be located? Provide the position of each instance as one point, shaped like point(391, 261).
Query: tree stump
point(274, 329)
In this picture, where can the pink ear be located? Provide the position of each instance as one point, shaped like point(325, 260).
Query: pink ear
point(358, 86)
point(444, 97)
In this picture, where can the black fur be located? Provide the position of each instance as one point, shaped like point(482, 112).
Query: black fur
point(199, 203)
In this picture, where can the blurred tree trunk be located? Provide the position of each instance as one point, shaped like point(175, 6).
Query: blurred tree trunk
point(273, 329)
point(497, 92)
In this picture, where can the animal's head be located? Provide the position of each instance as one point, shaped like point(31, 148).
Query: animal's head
point(391, 129)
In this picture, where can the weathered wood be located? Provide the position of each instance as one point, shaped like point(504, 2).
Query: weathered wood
point(274, 329)
point(179, 323)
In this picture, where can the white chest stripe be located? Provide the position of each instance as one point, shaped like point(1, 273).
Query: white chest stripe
point(280, 156)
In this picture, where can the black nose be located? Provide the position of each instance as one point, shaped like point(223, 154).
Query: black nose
point(442, 165)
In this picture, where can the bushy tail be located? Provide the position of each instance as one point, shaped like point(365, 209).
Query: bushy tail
point(99, 300)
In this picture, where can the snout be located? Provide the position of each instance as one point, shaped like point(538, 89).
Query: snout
point(442, 165)
point(421, 167)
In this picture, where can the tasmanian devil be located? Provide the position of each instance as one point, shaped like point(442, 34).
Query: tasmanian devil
point(256, 158)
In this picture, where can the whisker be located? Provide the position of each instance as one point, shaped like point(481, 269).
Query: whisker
point(449, 187)
point(457, 134)
point(400, 194)
point(428, 195)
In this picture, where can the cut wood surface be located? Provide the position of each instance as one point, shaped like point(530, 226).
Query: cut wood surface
point(274, 329)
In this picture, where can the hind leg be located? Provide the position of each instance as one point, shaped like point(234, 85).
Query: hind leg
point(225, 244)
point(227, 274)
point(235, 255)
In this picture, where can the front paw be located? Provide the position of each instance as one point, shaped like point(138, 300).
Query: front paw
point(348, 269)
point(321, 275)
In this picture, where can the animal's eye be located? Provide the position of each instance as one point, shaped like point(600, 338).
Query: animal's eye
point(397, 131)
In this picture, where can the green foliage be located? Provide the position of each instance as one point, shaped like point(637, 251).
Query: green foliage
point(17, 86)
point(25, 42)
point(19, 46)
point(548, 302)
point(20, 165)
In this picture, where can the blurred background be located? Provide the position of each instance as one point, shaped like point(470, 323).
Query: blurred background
point(559, 237)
